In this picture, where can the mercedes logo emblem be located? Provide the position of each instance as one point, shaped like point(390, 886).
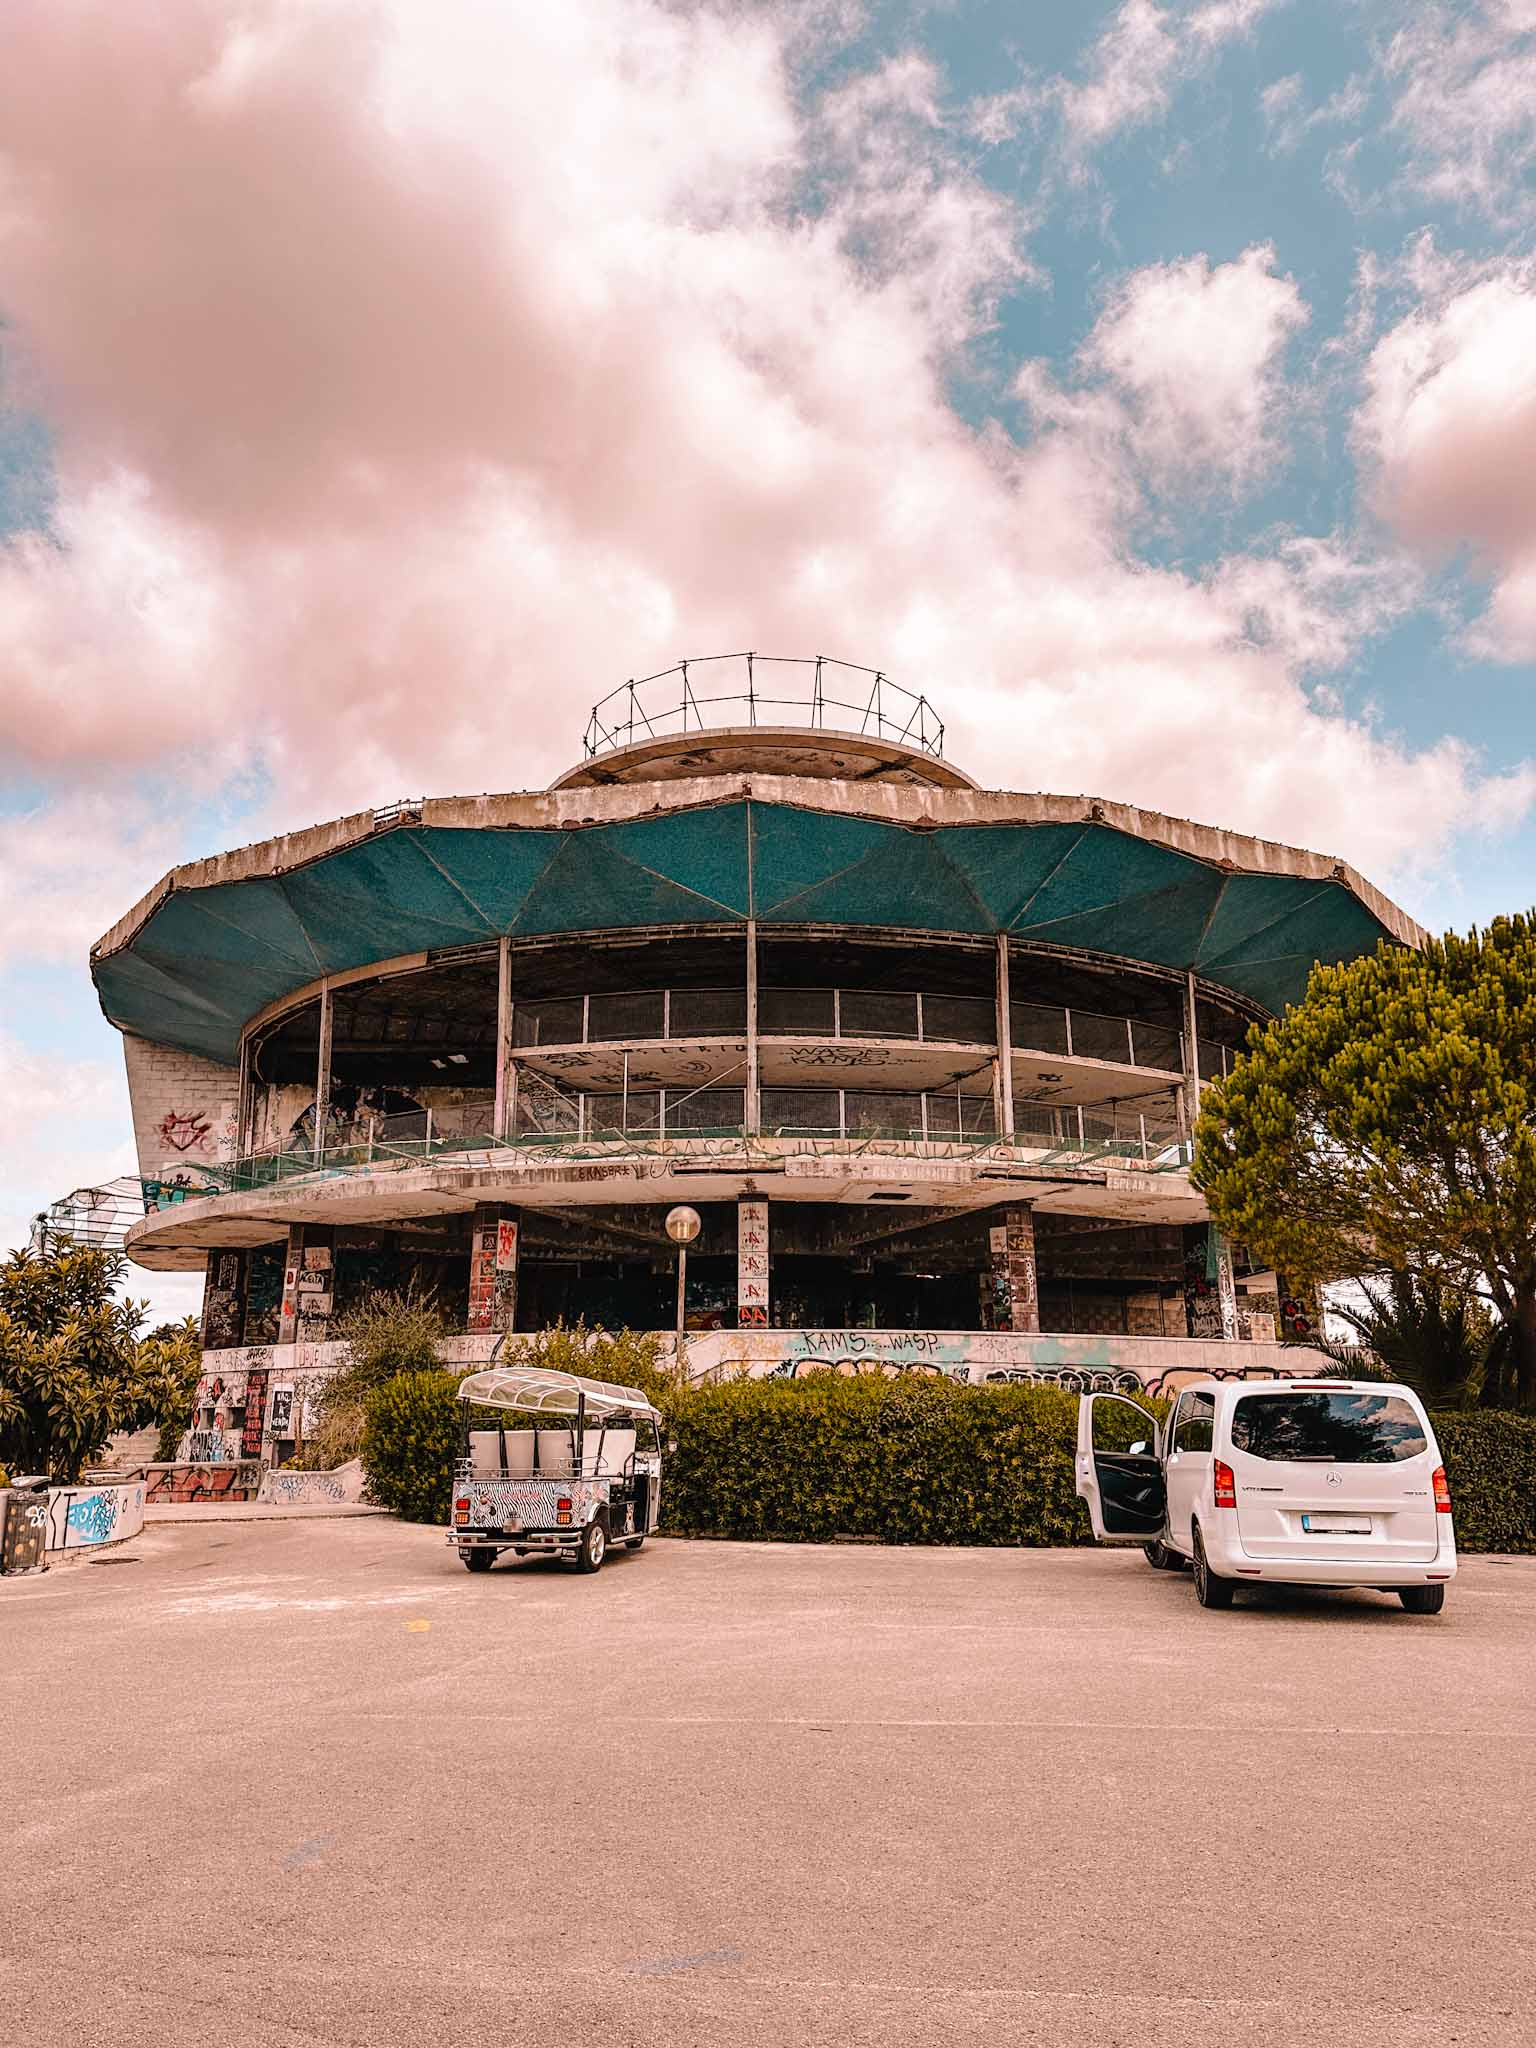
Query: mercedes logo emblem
point(1334, 1478)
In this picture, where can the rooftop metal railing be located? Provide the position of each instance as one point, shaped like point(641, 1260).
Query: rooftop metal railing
point(831, 695)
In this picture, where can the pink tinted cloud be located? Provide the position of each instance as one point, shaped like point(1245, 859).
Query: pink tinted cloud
point(1449, 421)
point(418, 373)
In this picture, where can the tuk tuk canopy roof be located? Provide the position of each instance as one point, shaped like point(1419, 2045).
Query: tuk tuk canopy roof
point(545, 1391)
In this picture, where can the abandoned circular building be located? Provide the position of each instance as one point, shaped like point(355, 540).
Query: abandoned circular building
point(924, 1056)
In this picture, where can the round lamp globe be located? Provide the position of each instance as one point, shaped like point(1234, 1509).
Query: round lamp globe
point(683, 1224)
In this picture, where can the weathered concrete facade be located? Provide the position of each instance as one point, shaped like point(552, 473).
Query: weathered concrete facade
point(925, 1057)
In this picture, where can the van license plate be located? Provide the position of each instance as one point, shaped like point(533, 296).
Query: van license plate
point(1336, 1525)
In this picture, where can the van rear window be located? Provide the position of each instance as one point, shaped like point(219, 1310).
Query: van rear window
point(1327, 1429)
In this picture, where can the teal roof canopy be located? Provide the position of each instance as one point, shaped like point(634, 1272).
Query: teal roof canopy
point(221, 940)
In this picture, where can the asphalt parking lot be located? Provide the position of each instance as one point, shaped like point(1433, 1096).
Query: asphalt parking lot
point(273, 1784)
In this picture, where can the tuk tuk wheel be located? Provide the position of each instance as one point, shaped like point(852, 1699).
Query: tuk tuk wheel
point(593, 1547)
point(634, 1542)
point(477, 1560)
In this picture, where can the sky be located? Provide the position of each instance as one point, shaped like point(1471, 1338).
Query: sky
point(1153, 386)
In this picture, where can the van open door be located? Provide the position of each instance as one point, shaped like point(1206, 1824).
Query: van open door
point(1119, 1472)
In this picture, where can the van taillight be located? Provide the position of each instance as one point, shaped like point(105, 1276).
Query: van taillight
point(1226, 1484)
point(1442, 1487)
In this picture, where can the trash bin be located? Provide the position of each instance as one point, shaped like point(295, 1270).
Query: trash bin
point(24, 1524)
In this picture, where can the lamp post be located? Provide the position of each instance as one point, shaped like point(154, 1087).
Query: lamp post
point(683, 1226)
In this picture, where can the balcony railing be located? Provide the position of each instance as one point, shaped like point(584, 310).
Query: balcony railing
point(1059, 1032)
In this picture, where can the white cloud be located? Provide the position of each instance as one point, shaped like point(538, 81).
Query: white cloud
point(1449, 425)
point(417, 374)
point(1195, 352)
point(1464, 103)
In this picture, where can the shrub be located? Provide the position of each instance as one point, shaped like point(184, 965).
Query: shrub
point(410, 1438)
point(385, 1334)
point(1490, 1460)
point(904, 1460)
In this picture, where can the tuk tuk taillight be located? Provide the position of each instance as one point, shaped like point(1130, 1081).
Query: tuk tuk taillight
point(1225, 1481)
point(562, 1504)
point(461, 1508)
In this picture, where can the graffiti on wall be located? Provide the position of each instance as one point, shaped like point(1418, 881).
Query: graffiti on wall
point(752, 1265)
point(185, 1481)
point(80, 1517)
point(185, 1130)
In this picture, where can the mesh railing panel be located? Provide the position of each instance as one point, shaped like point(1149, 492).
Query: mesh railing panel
point(1157, 1046)
point(796, 1012)
point(708, 1109)
point(961, 1020)
point(1037, 1027)
point(626, 1016)
point(708, 1013)
point(878, 1013)
point(556, 1022)
point(867, 1114)
point(790, 1110)
point(1100, 1038)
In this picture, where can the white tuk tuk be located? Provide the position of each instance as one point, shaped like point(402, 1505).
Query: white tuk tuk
point(571, 1490)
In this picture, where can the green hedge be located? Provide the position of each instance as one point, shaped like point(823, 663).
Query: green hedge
point(904, 1460)
point(410, 1440)
point(1490, 1460)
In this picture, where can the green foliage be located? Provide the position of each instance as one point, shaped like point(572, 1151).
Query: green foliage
point(625, 1358)
point(385, 1334)
point(70, 1368)
point(1490, 1460)
point(1388, 1121)
point(1431, 1336)
point(906, 1460)
point(170, 1365)
point(409, 1441)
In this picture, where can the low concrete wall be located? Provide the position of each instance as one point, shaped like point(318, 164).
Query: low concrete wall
point(84, 1517)
point(165, 1485)
point(312, 1489)
point(1155, 1365)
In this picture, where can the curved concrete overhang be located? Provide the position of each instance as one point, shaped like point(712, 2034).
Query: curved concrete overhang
point(822, 752)
point(218, 940)
point(178, 1239)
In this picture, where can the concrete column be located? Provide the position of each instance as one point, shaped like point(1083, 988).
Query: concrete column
point(493, 1249)
point(1015, 1292)
point(224, 1301)
point(243, 1102)
point(323, 1074)
point(288, 1313)
point(504, 1069)
point(752, 1265)
point(753, 1106)
point(1191, 1052)
point(1004, 1065)
point(1210, 1293)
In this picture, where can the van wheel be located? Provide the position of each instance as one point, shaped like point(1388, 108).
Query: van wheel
point(1209, 1590)
point(477, 1560)
point(593, 1548)
point(1422, 1599)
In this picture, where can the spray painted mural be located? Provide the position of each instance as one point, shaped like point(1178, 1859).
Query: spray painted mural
point(81, 1517)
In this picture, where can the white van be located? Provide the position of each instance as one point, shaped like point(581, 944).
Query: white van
point(1282, 1482)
